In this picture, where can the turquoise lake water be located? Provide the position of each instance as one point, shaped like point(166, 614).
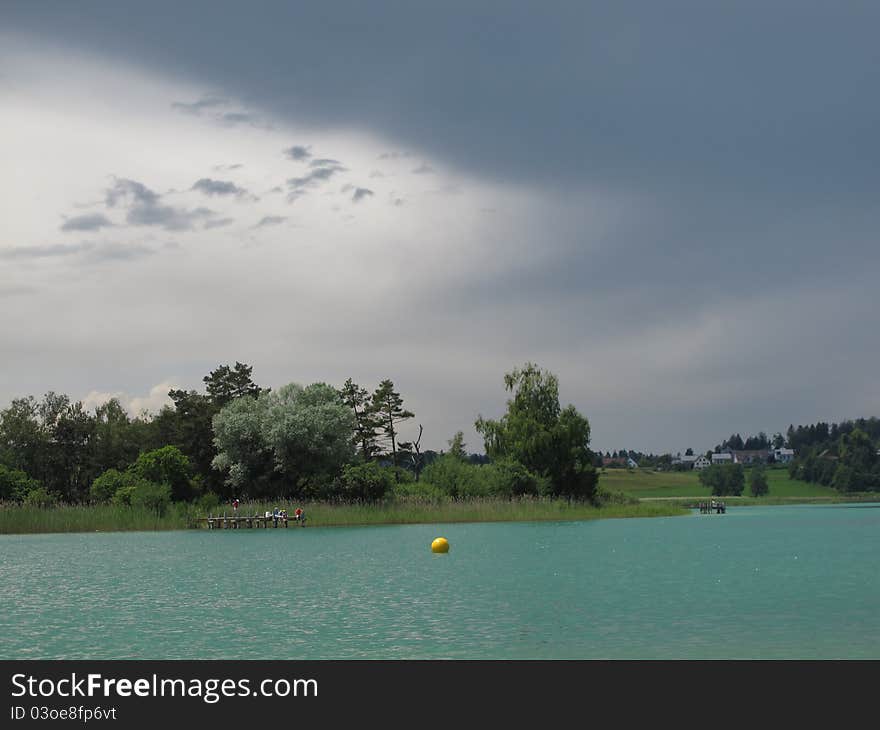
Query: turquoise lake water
point(759, 582)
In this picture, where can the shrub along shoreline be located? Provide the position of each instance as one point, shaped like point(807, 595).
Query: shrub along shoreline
point(29, 519)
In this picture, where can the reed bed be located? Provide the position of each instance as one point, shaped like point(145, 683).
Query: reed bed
point(18, 519)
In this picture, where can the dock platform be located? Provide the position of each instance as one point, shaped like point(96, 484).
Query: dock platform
point(236, 522)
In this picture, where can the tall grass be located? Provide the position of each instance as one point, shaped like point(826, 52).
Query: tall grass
point(106, 518)
point(18, 519)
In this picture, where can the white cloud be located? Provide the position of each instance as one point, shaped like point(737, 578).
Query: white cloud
point(134, 404)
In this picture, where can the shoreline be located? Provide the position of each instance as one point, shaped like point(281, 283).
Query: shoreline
point(19, 520)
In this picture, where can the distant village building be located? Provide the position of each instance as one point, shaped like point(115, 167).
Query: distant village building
point(722, 458)
point(701, 462)
point(785, 456)
point(753, 456)
point(620, 461)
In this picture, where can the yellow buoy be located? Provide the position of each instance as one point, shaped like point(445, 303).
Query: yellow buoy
point(440, 545)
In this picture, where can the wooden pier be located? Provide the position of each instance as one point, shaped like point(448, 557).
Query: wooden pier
point(236, 522)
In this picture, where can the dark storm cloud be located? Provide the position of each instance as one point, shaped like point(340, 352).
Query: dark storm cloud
point(298, 152)
point(637, 92)
point(218, 187)
point(734, 142)
point(87, 222)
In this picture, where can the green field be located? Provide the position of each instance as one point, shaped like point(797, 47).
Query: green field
point(648, 484)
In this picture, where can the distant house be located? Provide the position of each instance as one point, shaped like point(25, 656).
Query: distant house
point(753, 456)
point(701, 462)
point(686, 461)
point(722, 458)
point(619, 461)
point(785, 456)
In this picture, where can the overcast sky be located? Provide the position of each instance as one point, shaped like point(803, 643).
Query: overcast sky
point(674, 206)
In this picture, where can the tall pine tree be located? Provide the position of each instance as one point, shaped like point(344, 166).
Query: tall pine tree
point(366, 436)
point(388, 407)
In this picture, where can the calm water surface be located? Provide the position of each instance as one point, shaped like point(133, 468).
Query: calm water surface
point(758, 582)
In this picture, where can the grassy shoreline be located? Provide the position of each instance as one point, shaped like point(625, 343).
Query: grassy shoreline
point(19, 519)
point(640, 493)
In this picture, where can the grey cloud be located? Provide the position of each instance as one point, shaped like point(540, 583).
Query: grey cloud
point(271, 220)
point(423, 169)
point(41, 252)
point(130, 192)
point(315, 176)
point(87, 222)
point(88, 251)
point(325, 162)
point(218, 223)
point(740, 172)
point(226, 168)
point(145, 208)
point(117, 252)
point(197, 107)
point(298, 152)
point(15, 290)
point(167, 217)
point(218, 187)
point(232, 118)
point(361, 193)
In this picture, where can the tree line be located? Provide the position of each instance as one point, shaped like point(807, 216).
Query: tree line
point(844, 456)
point(239, 439)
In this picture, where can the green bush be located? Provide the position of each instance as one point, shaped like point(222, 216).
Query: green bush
point(125, 495)
point(512, 479)
point(105, 487)
point(39, 497)
point(208, 501)
point(167, 465)
point(152, 496)
point(606, 496)
point(420, 491)
point(457, 478)
point(758, 482)
point(724, 479)
point(15, 484)
point(368, 482)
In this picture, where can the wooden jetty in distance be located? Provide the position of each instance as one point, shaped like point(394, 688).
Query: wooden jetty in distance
point(235, 522)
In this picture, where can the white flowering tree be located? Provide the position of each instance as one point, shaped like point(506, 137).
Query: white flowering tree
point(269, 444)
